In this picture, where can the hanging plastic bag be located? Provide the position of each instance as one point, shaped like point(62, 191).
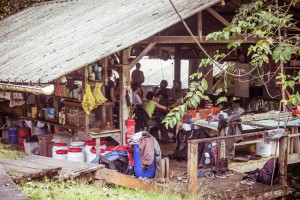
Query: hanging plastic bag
point(88, 103)
point(99, 98)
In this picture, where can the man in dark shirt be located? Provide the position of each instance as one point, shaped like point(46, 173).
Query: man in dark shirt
point(137, 75)
point(110, 88)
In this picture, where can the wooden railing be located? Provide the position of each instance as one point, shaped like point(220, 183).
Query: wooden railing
point(193, 157)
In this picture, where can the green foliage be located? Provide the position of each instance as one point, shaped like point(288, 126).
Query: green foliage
point(260, 19)
point(10, 151)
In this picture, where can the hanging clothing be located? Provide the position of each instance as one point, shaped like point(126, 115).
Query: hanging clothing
point(146, 147)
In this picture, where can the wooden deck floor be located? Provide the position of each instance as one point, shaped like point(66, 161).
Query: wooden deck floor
point(8, 189)
point(37, 166)
point(229, 188)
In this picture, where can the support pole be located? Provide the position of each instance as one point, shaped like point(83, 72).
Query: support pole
point(124, 85)
point(192, 168)
point(177, 63)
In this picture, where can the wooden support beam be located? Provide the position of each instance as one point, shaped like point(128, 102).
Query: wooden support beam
point(199, 25)
point(177, 64)
point(226, 137)
point(218, 16)
point(283, 157)
point(124, 86)
point(86, 116)
point(117, 178)
point(190, 40)
point(192, 168)
point(141, 55)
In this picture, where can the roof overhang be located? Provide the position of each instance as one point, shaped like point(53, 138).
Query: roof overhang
point(45, 42)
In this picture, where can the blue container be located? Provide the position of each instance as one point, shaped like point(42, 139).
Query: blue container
point(13, 134)
point(138, 169)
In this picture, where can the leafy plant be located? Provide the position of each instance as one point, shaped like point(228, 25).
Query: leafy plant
point(260, 19)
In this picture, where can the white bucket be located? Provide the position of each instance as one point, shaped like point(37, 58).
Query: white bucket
point(263, 149)
point(87, 148)
point(64, 138)
point(75, 154)
point(58, 146)
point(61, 154)
point(91, 154)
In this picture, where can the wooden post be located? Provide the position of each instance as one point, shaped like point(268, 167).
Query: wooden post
point(177, 63)
point(98, 142)
point(103, 107)
point(199, 25)
point(222, 145)
point(283, 156)
point(192, 168)
point(86, 116)
point(124, 85)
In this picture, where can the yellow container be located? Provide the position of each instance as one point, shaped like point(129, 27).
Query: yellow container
point(34, 112)
point(252, 149)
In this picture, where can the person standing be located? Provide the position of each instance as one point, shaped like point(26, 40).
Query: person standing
point(110, 88)
point(137, 75)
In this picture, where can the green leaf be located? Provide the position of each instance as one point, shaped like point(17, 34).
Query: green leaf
point(178, 116)
point(204, 84)
point(194, 103)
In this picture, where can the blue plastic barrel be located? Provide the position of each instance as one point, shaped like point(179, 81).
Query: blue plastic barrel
point(138, 169)
point(13, 134)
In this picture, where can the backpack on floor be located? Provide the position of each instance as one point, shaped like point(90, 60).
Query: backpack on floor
point(265, 174)
point(120, 159)
point(182, 145)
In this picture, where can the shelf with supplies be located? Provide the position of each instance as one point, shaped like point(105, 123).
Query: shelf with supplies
point(65, 104)
point(55, 123)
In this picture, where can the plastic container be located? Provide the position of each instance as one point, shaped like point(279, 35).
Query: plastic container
point(49, 113)
point(138, 170)
point(63, 138)
point(263, 149)
point(22, 133)
point(31, 145)
point(91, 154)
point(110, 148)
point(58, 146)
point(13, 134)
point(61, 154)
point(130, 129)
point(34, 112)
point(46, 144)
point(80, 144)
point(75, 154)
point(88, 145)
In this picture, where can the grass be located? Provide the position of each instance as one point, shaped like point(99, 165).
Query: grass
point(64, 190)
point(70, 190)
point(10, 151)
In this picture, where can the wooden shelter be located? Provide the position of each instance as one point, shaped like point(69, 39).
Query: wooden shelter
point(48, 41)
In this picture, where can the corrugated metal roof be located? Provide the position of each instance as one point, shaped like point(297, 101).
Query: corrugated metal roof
point(47, 41)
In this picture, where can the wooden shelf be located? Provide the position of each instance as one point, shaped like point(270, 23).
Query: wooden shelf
point(97, 80)
point(69, 102)
point(291, 67)
point(66, 126)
